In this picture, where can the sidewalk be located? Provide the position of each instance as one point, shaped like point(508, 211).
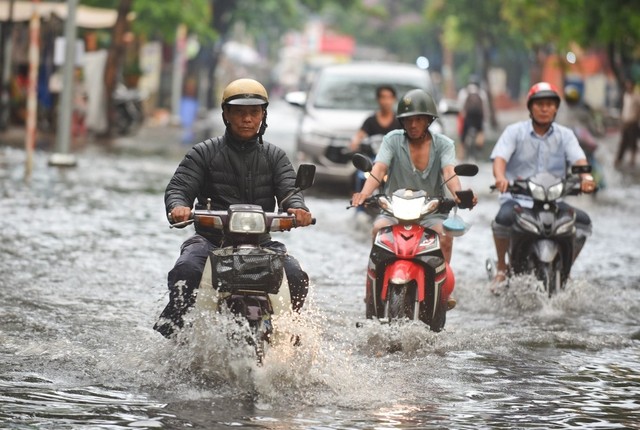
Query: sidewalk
point(159, 140)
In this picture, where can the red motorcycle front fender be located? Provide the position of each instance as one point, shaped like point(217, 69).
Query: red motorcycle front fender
point(403, 271)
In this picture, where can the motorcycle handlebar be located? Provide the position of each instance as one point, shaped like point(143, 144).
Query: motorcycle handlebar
point(445, 206)
point(520, 185)
point(191, 220)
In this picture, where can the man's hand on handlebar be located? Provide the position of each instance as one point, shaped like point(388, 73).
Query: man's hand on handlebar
point(179, 214)
point(358, 199)
point(469, 200)
point(587, 184)
point(303, 218)
point(502, 184)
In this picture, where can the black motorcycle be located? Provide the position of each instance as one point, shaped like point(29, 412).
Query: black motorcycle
point(242, 276)
point(545, 238)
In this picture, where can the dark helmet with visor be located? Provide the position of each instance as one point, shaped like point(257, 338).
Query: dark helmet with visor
point(416, 102)
point(572, 94)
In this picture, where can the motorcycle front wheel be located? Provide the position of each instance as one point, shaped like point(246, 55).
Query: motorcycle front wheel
point(260, 334)
point(401, 301)
point(437, 322)
point(551, 276)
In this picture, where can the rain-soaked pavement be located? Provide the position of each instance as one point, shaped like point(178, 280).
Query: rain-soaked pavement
point(84, 255)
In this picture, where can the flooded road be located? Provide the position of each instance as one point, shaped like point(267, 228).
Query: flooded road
point(85, 254)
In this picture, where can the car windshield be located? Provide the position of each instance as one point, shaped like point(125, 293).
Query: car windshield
point(351, 92)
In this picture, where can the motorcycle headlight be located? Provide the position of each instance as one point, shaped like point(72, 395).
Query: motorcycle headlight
point(537, 192)
point(407, 209)
point(247, 222)
point(555, 191)
point(565, 228)
point(527, 225)
point(316, 139)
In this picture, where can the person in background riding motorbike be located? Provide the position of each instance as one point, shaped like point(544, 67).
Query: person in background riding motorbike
point(527, 148)
point(237, 167)
point(630, 118)
point(380, 123)
point(471, 100)
point(414, 158)
point(577, 115)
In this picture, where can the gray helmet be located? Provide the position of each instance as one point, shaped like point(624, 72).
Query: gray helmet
point(416, 102)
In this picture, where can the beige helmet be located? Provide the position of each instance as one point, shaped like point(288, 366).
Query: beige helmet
point(245, 92)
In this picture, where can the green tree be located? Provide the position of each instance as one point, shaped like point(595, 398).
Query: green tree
point(154, 19)
point(549, 25)
point(266, 20)
point(478, 25)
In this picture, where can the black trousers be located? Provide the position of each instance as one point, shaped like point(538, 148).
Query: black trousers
point(186, 274)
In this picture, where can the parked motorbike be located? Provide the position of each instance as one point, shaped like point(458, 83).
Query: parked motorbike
point(545, 239)
point(129, 112)
point(242, 276)
point(407, 276)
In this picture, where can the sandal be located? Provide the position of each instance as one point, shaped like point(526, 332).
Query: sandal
point(498, 281)
point(451, 303)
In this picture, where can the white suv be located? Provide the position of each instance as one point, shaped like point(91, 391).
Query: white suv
point(339, 100)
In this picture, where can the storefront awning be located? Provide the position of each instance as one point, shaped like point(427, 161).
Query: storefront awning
point(86, 17)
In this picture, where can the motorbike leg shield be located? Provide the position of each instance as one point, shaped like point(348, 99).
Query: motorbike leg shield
point(546, 250)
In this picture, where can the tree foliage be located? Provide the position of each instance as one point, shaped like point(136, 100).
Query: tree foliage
point(159, 19)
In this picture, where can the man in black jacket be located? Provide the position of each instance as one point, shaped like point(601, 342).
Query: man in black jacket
point(237, 167)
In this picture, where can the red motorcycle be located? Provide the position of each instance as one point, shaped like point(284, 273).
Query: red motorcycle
point(407, 276)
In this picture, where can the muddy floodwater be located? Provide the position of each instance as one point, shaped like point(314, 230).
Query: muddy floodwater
point(84, 254)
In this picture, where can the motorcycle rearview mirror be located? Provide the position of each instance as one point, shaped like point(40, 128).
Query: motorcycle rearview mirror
point(466, 169)
point(576, 170)
point(305, 176)
point(304, 179)
point(362, 162)
point(463, 170)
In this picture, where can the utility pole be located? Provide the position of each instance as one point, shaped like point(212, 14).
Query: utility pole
point(32, 91)
point(5, 66)
point(178, 72)
point(62, 157)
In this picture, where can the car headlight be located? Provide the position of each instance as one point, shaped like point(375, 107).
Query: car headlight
point(555, 191)
point(247, 222)
point(537, 192)
point(316, 139)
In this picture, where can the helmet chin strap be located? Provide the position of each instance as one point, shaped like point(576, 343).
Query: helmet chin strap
point(263, 127)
